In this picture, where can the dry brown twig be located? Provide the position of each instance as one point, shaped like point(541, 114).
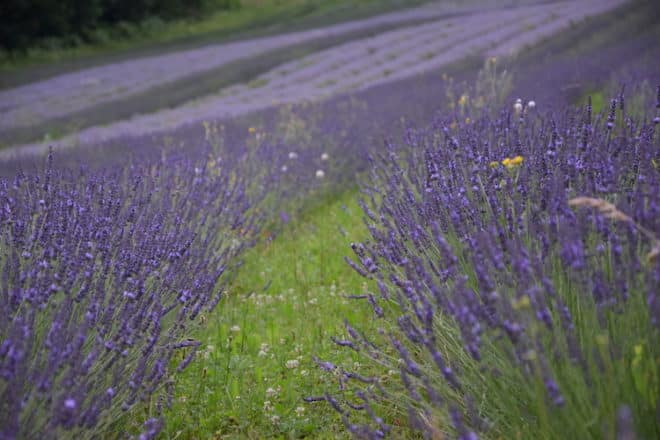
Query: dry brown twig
point(610, 211)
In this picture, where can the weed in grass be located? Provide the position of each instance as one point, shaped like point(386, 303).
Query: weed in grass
point(494, 83)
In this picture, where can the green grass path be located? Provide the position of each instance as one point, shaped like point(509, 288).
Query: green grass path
point(255, 364)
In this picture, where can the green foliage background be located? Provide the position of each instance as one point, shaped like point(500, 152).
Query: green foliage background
point(25, 22)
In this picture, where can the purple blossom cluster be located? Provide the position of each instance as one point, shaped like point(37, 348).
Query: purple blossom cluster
point(102, 274)
point(516, 260)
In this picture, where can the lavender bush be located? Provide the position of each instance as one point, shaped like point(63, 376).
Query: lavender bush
point(518, 270)
point(102, 274)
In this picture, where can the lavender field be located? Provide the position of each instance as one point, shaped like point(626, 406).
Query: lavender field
point(437, 222)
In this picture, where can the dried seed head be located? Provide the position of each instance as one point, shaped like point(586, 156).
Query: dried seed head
point(607, 209)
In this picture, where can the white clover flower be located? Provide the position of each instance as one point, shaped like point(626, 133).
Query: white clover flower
point(284, 168)
point(198, 171)
point(268, 406)
point(320, 174)
point(235, 329)
point(304, 373)
point(275, 419)
point(519, 101)
point(300, 411)
point(292, 364)
point(263, 350)
point(518, 107)
point(271, 392)
point(325, 156)
point(293, 155)
point(531, 104)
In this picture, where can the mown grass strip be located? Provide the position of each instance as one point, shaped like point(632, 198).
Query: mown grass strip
point(256, 361)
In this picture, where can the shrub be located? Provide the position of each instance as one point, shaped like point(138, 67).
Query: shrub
point(506, 311)
point(102, 274)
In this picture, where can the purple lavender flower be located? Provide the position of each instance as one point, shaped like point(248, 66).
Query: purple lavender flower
point(473, 229)
point(103, 273)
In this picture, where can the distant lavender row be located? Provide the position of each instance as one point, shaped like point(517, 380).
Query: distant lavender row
point(353, 66)
point(101, 275)
point(29, 104)
point(510, 304)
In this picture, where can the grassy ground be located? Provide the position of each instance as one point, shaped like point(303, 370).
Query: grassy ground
point(254, 18)
point(256, 364)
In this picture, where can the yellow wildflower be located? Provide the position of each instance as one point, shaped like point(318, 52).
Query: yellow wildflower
point(521, 303)
point(511, 162)
point(494, 164)
point(463, 100)
point(252, 130)
point(517, 160)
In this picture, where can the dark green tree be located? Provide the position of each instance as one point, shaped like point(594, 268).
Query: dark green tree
point(26, 22)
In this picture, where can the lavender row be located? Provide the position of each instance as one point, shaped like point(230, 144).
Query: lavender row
point(102, 275)
point(518, 270)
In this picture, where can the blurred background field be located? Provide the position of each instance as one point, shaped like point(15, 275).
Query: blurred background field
point(469, 251)
point(62, 36)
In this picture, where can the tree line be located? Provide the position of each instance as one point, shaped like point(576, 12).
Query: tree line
point(24, 23)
